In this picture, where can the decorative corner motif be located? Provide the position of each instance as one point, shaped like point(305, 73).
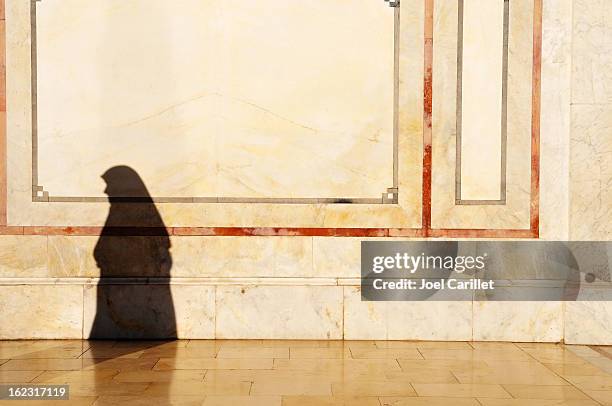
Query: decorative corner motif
point(39, 194)
point(391, 196)
point(392, 3)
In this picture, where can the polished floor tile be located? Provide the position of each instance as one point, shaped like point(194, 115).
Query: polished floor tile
point(291, 386)
point(178, 400)
point(194, 388)
point(296, 372)
point(597, 382)
point(111, 352)
point(160, 376)
point(353, 366)
point(428, 401)
point(111, 388)
point(242, 400)
point(536, 402)
point(73, 401)
point(320, 353)
point(423, 376)
point(212, 363)
point(18, 376)
point(461, 390)
point(481, 354)
point(85, 375)
point(386, 353)
point(196, 351)
point(602, 396)
point(545, 392)
point(39, 364)
point(119, 363)
point(329, 401)
point(575, 369)
point(253, 352)
point(510, 372)
point(373, 388)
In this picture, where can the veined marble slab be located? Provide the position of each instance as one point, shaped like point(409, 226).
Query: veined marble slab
point(227, 99)
point(217, 106)
point(481, 116)
point(448, 211)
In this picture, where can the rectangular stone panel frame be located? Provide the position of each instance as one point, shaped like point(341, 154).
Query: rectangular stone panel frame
point(416, 33)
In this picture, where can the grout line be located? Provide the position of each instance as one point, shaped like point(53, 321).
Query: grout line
point(215, 317)
point(562, 377)
point(600, 351)
point(83, 314)
point(343, 310)
point(42, 372)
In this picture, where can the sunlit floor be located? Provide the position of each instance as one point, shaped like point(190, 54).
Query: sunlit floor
point(271, 373)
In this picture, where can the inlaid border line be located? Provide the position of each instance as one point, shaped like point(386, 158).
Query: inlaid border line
point(427, 116)
point(3, 140)
point(396, 85)
point(389, 195)
point(504, 112)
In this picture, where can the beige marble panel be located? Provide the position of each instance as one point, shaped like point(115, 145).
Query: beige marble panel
point(592, 52)
point(591, 173)
point(364, 320)
point(226, 257)
point(195, 311)
point(277, 312)
point(71, 256)
point(481, 99)
point(427, 320)
point(588, 323)
point(555, 119)
point(518, 321)
point(23, 256)
point(193, 85)
point(192, 312)
point(242, 256)
point(405, 214)
point(443, 321)
point(340, 257)
point(43, 311)
point(336, 257)
point(515, 214)
point(411, 109)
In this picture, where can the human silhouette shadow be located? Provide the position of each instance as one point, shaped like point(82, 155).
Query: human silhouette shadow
point(133, 245)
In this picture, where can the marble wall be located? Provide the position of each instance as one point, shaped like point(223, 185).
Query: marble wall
point(355, 126)
point(590, 151)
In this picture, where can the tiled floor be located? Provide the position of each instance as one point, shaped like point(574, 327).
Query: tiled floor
point(298, 373)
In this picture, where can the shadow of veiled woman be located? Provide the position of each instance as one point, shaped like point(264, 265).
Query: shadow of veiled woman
point(127, 306)
point(133, 297)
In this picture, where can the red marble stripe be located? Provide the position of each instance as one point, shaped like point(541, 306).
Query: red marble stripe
point(481, 233)
point(11, 230)
point(534, 219)
point(51, 230)
point(427, 118)
point(283, 231)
